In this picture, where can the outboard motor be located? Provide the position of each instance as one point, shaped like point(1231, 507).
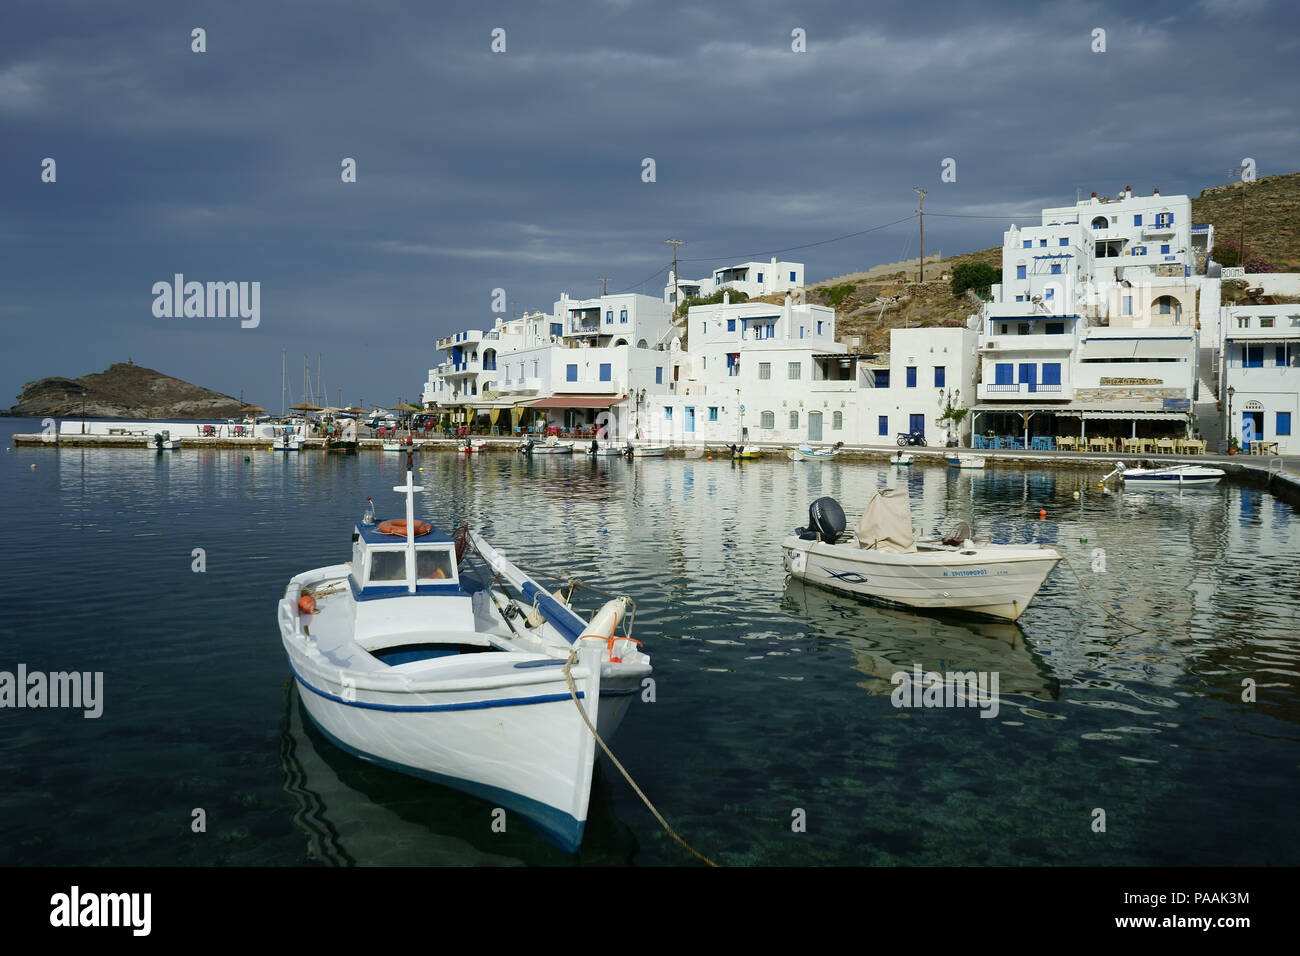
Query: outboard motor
point(157, 440)
point(825, 521)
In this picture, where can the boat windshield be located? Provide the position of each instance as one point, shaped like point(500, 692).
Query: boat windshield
point(433, 564)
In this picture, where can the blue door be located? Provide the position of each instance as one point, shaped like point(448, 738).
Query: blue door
point(1252, 427)
point(690, 419)
point(1029, 375)
point(814, 426)
point(916, 423)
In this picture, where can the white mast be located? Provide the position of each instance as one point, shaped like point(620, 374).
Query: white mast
point(410, 490)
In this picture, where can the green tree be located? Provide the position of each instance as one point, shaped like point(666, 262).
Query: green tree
point(979, 276)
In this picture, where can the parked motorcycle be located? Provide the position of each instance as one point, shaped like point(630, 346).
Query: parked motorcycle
point(912, 438)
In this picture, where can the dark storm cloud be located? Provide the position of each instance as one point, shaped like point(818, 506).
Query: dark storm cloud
point(522, 170)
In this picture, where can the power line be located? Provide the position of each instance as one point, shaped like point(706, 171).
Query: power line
point(959, 215)
point(806, 245)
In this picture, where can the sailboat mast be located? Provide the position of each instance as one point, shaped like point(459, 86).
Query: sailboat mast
point(284, 379)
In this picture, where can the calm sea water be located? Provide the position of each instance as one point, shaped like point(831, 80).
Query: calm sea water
point(771, 697)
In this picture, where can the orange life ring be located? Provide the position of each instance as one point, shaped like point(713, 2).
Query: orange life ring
point(397, 526)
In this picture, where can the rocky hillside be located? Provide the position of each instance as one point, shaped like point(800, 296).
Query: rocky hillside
point(123, 390)
point(1272, 216)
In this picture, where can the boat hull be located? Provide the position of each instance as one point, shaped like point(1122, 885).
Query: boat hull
point(650, 451)
point(995, 581)
point(1171, 480)
point(519, 746)
point(965, 461)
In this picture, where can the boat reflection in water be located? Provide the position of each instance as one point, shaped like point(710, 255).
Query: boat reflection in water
point(354, 813)
point(885, 641)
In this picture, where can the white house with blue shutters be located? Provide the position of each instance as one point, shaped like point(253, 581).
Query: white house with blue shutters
point(752, 278)
point(775, 374)
point(1098, 318)
point(1260, 362)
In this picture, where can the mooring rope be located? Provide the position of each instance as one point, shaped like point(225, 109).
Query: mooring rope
point(573, 692)
point(1087, 592)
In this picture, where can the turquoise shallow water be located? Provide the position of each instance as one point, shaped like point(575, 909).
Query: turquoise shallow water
point(770, 697)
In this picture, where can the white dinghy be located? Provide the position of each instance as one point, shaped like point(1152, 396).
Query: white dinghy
point(648, 451)
point(883, 561)
point(955, 460)
point(1174, 477)
point(404, 660)
point(901, 458)
point(809, 453)
point(551, 446)
point(163, 441)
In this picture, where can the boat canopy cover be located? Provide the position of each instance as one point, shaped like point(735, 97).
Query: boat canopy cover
point(886, 525)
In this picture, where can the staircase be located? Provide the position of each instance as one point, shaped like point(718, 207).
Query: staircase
point(1208, 418)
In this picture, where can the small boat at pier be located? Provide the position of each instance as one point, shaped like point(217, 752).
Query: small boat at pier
point(901, 458)
point(1172, 477)
point(955, 460)
point(163, 441)
point(809, 453)
point(551, 446)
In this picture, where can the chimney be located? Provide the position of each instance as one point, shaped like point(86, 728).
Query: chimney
point(1128, 192)
point(726, 298)
point(1157, 192)
point(1094, 194)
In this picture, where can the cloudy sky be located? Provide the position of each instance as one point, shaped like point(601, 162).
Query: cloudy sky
point(522, 169)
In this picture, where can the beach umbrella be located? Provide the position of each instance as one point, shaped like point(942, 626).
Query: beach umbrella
point(252, 410)
point(305, 407)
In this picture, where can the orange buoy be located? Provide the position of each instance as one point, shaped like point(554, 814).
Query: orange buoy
point(397, 526)
point(1042, 513)
point(307, 604)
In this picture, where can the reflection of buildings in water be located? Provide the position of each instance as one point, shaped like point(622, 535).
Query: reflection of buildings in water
point(885, 641)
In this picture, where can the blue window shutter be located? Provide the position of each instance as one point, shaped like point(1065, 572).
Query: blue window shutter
point(1281, 355)
point(1020, 272)
point(1027, 244)
point(1065, 242)
point(883, 425)
point(1048, 294)
point(792, 278)
point(604, 371)
point(1051, 373)
point(760, 277)
point(1137, 220)
point(571, 373)
point(731, 325)
point(1005, 374)
point(1283, 424)
point(1056, 268)
point(911, 376)
point(668, 413)
point(939, 376)
point(659, 375)
point(1164, 250)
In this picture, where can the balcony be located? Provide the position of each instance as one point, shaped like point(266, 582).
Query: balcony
point(460, 338)
point(519, 385)
point(1025, 390)
point(1157, 229)
point(587, 386)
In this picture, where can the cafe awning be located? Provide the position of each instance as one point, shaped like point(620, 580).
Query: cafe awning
point(578, 401)
point(1122, 414)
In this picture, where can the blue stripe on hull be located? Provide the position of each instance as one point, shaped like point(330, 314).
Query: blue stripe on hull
point(559, 829)
point(434, 708)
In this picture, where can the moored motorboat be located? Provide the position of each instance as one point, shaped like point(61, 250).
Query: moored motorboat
point(1171, 477)
point(955, 460)
point(551, 446)
point(607, 449)
point(744, 452)
point(288, 439)
point(403, 659)
point(163, 441)
point(406, 444)
point(648, 451)
point(884, 561)
point(901, 458)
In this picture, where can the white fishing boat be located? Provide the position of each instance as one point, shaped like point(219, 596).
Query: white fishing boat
point(472, 446)
point(955, 460)
point(551, 446)
point(809, 453)
point(884, 561)
point(1172, 477)
point(402, 658)
point(901, 458)
point(287, 438)
point(648, 451)
point(744, 452)
point(163, 441)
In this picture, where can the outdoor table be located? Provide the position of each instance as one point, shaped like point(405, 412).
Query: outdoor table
point(1101, 444)
point(1194, 447)
point(1261, 447)
point(1165, 446)
point(1067, 443)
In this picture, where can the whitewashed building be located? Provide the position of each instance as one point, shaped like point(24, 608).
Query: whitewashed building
point(1260, 363)
point(762, 373)
point(752, 278)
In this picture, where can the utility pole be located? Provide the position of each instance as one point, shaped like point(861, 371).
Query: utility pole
point(677, 299)
point(604, 284)
point(921, 192)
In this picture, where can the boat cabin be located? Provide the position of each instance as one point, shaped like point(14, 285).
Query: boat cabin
point(381, 564)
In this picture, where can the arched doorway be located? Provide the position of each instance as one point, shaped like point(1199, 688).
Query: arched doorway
point(1167, 305)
